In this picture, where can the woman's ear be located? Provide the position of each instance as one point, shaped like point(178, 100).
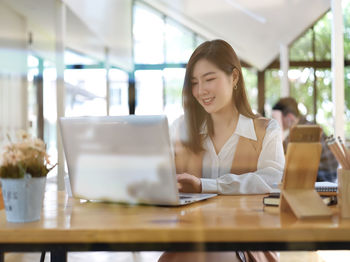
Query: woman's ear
point(235, 76)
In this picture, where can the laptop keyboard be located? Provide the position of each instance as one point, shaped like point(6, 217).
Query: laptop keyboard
point(189, 195)
point(185, 197)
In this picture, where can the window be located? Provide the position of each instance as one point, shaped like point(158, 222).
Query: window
point(50, 112)
point(148, 44)
point(347, 100)
point(301, 50)
point(251, 82)
point(33, 72)
point(173, 78)
point(118, 83)
point(346, 8)
point(199, 40)
point(179, 42)
point(162, 52)
point(272, 90)
point(74, 58)
point(301, 87)
point(149, 92)
point(302, 78)
point(323, 38)
point(85, 92)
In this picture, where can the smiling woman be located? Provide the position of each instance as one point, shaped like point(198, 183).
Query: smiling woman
point(213, 62)
point(220, 138)
point(221, 146)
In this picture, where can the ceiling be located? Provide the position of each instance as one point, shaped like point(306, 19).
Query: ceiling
point(256, 29)
point(111, 21)
point(91, 27)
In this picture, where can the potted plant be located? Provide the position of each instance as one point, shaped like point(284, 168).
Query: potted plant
point(23, 169)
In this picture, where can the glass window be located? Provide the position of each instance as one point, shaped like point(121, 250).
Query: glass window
point(301, 88)
point(173, 78)
point(168, 42)
point(323, 33)
point(251, 85)
point(199, 40)
point(179, 42)
point(33, 71)
point(32, 61)
point(347, 101)
point(346, 20)
point(301, 50)
point(85, 92)
point(325, 108)
point(50, 113)
point(119, 85)
point(148, 32)
point(73, 58)
point(149, 92)
point(301, 78)
point(272, 89)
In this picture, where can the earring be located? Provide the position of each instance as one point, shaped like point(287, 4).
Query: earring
point(235, 87)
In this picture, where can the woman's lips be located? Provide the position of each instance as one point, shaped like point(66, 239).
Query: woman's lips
point(208, 101)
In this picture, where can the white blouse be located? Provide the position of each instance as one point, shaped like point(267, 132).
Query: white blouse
point(216, 176)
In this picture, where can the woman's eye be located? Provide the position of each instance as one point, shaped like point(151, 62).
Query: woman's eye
point(193, 84)
point(210, 79)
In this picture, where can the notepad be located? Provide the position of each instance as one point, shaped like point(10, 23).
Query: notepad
point(326, 188)
point(323, 188)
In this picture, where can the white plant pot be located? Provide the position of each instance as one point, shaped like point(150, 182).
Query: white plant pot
point(23, 198)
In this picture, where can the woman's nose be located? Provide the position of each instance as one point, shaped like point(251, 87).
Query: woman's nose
point(202, 89)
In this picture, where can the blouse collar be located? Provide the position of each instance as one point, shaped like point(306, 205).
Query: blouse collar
point(245, 128)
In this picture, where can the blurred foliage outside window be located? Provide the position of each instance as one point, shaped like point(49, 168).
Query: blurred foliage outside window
point(250, 76)
point(272, 89)
point(301, 79)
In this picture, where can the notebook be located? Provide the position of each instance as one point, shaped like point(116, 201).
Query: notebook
point(127, 159)
point(326, 188)
point(323, 188)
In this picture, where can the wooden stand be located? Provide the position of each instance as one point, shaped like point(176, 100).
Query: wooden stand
point(344, 192)
point(298, 195)
point(1, 200)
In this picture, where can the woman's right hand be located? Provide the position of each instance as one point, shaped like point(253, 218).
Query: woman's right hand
point(188, 183)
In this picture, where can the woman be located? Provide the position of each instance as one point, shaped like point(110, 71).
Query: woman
point(221, 146)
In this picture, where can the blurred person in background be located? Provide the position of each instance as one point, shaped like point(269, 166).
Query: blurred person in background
point(286, 112)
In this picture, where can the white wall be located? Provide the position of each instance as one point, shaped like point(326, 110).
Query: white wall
point(13, 60)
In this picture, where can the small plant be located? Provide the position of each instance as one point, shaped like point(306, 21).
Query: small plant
point(27, 156)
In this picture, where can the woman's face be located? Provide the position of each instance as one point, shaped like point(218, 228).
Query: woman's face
point(212, 87)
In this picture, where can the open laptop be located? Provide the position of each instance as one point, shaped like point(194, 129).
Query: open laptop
point(126, 159)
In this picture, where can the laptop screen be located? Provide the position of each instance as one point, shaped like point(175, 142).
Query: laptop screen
point(120, 158)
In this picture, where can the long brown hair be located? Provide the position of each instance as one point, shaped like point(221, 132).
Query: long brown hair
point(221, 54)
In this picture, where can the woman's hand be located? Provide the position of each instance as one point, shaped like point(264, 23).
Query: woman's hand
point(188, 183)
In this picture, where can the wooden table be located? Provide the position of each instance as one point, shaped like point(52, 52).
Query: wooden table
point(221, 223)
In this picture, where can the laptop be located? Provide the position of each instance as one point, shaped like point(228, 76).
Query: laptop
point(125, 159)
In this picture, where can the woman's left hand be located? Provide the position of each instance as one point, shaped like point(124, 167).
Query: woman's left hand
point(189, 183)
